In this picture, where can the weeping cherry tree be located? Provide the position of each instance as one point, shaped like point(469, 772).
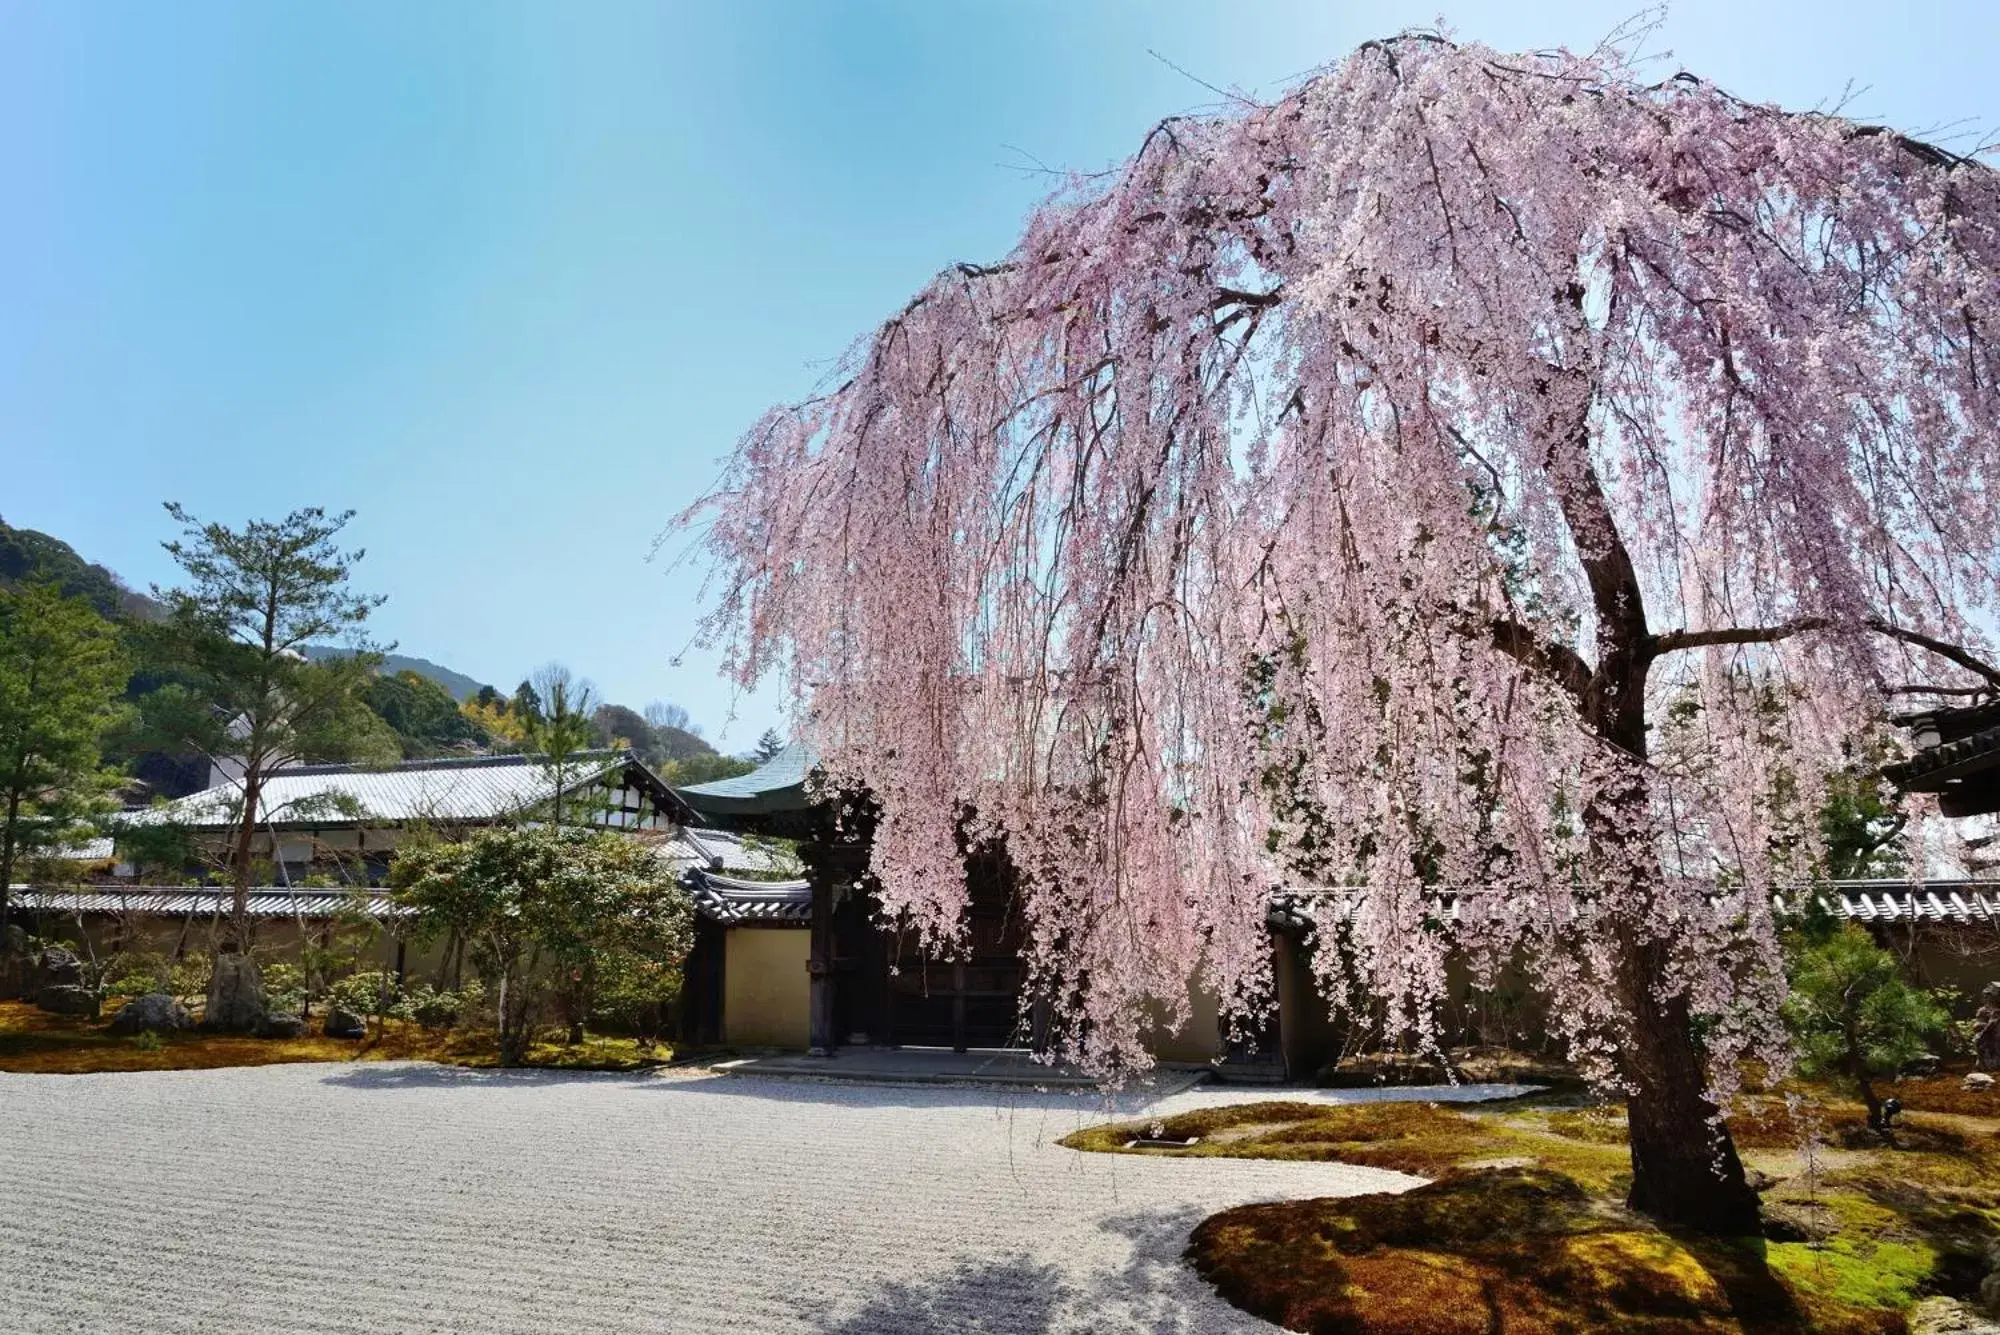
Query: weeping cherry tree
point(1491, 492)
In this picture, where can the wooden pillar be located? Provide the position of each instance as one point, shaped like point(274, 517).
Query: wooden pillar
point(819, 968)
point(958, 1006)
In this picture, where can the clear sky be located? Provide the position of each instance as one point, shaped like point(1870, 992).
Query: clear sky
point(509, 279)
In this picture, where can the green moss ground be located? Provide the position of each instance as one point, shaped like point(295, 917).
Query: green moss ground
point(32, 1042)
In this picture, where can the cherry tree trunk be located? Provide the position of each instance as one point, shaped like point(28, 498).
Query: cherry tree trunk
point(1685, 1170)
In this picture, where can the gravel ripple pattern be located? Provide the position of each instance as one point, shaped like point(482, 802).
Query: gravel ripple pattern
point(407, 1197)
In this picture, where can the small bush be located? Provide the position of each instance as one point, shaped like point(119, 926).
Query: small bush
point(437, 1009)
point(134, 973)
point(285, 988)
point(370, 992)
point(188, 980)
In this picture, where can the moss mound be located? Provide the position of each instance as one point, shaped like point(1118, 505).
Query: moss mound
point(1417, 1138)
point(1520, 1250)
point(1426, 1139)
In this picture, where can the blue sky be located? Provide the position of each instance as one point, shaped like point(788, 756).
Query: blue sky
point(509, 279)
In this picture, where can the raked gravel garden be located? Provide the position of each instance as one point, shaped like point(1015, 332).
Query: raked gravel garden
point(413, 1197)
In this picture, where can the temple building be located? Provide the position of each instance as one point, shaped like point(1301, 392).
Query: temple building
point(325, 836)
point(1957, 757)
point(807, 964)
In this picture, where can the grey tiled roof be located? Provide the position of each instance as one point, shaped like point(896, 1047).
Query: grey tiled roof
point(470, 788)
point(1913, 772)
point(203, 901)
point(1899, 901)
point(1858, 901)
point(731, 901)
point(694, 848)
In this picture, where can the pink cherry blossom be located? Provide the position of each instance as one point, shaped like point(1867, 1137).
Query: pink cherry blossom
point(1486, 492)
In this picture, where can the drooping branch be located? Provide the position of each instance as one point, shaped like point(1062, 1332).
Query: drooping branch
point(1942, 648)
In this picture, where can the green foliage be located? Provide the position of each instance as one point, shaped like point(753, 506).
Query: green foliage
point(552, 914)
point(704, 769)
point(627, 728)
point(438, 1008)
point(1854, 1016)
point(767, 746)
point(161, 850)
point(557, 724)
point(460, 686)
point(367, 992)
point(285, 988)
point(62, 667)
point(1862, 824)
point(423, 714)
point(189, 979)
point(134, 973)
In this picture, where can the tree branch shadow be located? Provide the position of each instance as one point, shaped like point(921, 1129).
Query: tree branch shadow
point(1153, 1292)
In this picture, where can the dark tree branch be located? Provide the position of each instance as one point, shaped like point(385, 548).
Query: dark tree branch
point(1700, 639)
point(1674, 640)
point(1939, 690)
point(1558, 662)
point(1942, 648)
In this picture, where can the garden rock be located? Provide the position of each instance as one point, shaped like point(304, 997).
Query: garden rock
point(55, 967)
point(1986, 1028)
point(235, 996)
point(1978, 1080)
point(67, 999)
point(280, 1025)
point(343, 1024)
point(1948, 1316)
point(154, 1013)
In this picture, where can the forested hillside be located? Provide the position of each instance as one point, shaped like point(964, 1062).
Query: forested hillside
point(26, 553)
point(425, 709)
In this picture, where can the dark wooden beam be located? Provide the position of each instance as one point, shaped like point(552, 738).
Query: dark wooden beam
point(820, 1038)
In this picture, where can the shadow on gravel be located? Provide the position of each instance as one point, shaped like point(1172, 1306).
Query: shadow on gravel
point(428, 1075)
point(1111, 1105)
point(1154, 1293)
point(884, 1094)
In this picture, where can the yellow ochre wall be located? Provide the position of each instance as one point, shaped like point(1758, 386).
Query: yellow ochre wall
point(764, 987)
point(1199, 1040)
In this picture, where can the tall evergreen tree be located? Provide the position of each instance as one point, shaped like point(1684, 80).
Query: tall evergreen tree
point(62, 667)
point(246, 697)
point(559, 726)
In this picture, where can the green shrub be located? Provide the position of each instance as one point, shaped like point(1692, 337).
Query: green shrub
point(437, 1009)
point(1854, 1015)
point(188, 979)
point(285, 988)
point(369, 992)
point(134, 973)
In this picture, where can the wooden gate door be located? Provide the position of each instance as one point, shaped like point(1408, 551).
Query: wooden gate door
point(973, 1001)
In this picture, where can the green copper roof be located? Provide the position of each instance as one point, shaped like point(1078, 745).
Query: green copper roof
point(777, 785)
